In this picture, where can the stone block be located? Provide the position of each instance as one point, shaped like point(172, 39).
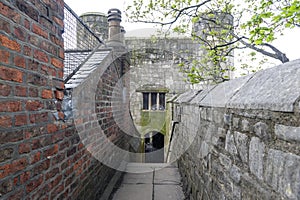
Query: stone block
point(290, 180)
point(227, 119)
point(235, 173)
point(235, 122)
point(230, 144)
point(288, 133)
point(245, 125)
point(242, 145)
point(274, 167)
point(225, 161)
point(256, 156)
point(261, 130)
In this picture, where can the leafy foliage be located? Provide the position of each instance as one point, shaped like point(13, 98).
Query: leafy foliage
point(220, 27)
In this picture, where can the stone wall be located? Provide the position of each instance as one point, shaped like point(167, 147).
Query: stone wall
point(41, 155)
point(240, 139)
point(156, 63)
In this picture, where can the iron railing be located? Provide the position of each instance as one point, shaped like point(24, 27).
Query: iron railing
point(79, 42)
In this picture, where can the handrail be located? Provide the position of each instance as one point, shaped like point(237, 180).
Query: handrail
point(82, 23)
point(79, 42)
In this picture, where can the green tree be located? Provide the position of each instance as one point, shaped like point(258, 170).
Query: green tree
point(225, 25)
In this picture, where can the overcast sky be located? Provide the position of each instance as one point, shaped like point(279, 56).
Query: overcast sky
point(290, 43)
point(83, 6)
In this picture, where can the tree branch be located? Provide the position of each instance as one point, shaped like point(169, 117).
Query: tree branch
point(278, 55)
point(177, 16)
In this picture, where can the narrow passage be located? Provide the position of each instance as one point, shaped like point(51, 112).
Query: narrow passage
point(150, 181)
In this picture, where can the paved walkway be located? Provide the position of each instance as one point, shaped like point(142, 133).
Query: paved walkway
point(150, 181)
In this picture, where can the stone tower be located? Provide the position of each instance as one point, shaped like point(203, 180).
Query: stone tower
point(97, 22)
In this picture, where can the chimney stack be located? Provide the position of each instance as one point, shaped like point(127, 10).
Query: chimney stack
point(115, 37)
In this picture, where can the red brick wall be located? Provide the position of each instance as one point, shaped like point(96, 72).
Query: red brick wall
point(40, 157)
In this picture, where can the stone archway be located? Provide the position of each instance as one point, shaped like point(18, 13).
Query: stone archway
point(154, 147)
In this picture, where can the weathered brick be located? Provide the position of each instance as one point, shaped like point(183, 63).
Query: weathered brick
point(57, 63)
point(34, 183)
point(10, 44)
point(20, 33)
point(18, 194)
point(33, 92)
point(21, 91)
point(4, 56)
point(10, 106)
point(6, 154)
point(55, 182)
point(56, 40)
point(10, 74)
point(38, 30)
point(38, 118)
point(5, 26)
point(5, 170)
point(36, 79)
point(5, 90)
point(58, 158)
point(27, 24)
point(28, 9)
point(51, 151)
point(34, 105)
point(51, 128)
point(49, 47)
point(20, 61)
point(5, 121)
point(34, 131)
point(59, 95)
point(18, 165)
point(34, 40)
point(6, 186)
point(71, 151)
point(41, 142)
point(13, 136)
point(41, 167)
point(10, 13)
point(52, 173)
point(24, 148)
point(27, 51)
point(48, 70)
point(20, 120)
point(41, 56)
point(64, 145)
point(61, 54)
point(60, 74)
point(47, 94)
point(35, 158)
point(24, 177)
point(59, 84)
point(60, 22)
point(57, 191)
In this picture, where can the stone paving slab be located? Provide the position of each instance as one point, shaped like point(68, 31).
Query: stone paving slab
point(140, 178)
point(134, 192)
point(162, 182)
point(168, 192)
point(167, 176)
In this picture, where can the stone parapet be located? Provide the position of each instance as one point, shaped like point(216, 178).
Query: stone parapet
point(246, 143)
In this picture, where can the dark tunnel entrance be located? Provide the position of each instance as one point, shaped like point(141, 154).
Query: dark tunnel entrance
point(154, 147)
